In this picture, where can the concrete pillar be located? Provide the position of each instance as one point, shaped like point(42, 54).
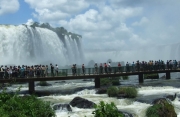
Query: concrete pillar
point(141, 79)
point(31, 87)
point(97, 82)
point(168, 75)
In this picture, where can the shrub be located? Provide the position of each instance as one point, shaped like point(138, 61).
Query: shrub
point(161, 109)
point(110, 81)
point(115, 81)
point(106, 110)
point(27, 106)
point(105, 82)
point(112, 91)
point(43, 83)
point(129, 92)
point(151, 76)
point(158, 110)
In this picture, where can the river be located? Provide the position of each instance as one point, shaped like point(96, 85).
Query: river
point(64, 91)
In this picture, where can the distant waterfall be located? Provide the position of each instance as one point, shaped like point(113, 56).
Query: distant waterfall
point(29, 45)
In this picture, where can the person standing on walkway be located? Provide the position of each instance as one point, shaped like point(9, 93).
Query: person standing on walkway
point(119, 67)
point(109, 67)
point(96, 68)
point(56, 69)
point(52, 70)
point(133, 67)
point(127, 67)
point(105, 68)
point(83, 69)
point(101, 68)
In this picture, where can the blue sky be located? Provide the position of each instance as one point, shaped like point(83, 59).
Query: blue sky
point(121, 23)
point(20, 16)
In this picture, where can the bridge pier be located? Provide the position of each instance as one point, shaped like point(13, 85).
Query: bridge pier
point(141, 79)
point(31, 87)
point(97, 82)
point(168, 75)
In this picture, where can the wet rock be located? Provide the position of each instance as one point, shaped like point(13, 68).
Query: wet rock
point(43, 83)
point(163, 77)
point(61, 82)
point(65, 107)
point(101, 91)
point(81, 103)
point(87, 80)
point(126, 114)
point(120, 96)
point(159, 101)
point(161, 108)
point(171, 97)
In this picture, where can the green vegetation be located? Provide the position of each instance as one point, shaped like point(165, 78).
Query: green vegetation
point(13, 105)
point(43, 83)
point(110, 81)
point(151, 76)
point(129, 92)
point(112, 91)
point(125, 77)
point(161, 110)
point(106, 110)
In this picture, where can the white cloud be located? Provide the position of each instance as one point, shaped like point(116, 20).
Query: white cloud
point(29, 22)
point(8, 6)
point(118, 25)
point(50, 11)
point(142, 22)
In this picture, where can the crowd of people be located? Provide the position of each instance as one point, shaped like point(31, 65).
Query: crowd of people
point(25, 71)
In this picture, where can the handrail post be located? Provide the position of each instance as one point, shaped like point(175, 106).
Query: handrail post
point(97, 82)
point(31, 87)
point(141, 79)
point(168, 75)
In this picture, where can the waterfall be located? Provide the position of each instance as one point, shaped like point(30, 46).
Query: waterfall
point(31, 45)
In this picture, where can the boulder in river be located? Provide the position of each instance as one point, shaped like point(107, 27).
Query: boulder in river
point(81, 103)
point(126, 114)
point(62, 107)
point(101, 91)
point(161, 108)
point(171, 97)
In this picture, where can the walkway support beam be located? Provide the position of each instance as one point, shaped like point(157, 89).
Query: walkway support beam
point(97, 82)
point(168, 75)
point(141, 79)
point(31, 87)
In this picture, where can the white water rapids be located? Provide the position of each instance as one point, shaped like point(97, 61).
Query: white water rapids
point(133, 106)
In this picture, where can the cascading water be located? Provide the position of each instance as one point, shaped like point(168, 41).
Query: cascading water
point(27, 44)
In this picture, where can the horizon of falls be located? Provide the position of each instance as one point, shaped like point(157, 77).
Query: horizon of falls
point(158, 52)
point(30, 45)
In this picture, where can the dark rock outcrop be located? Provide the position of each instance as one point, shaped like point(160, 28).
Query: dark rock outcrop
point(65, 107)
point(43, 83)
point(81, 103)
point(171, 97)
point(159, 101)
point(161, 108)
point(126, 114)
point(101, 91)
point(120, 96)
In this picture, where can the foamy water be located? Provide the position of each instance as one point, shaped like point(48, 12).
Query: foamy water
point(138, 109)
